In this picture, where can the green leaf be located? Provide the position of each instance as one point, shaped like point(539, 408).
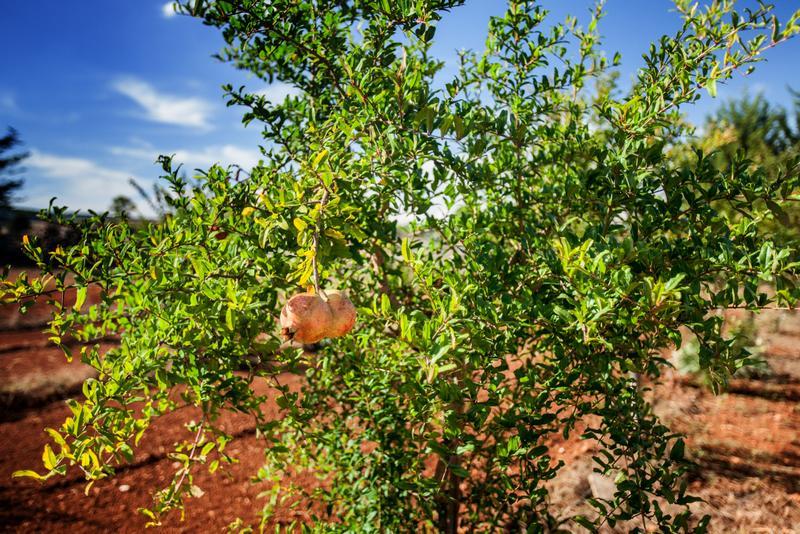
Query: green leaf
point(677, 452)
point(778, 212)
point(263, 237)
point(584, 522)
point(80, 298)
point(126, 451)
point(458, 124)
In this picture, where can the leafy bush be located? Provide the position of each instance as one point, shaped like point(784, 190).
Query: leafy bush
point(520, 247)
point(743, 333)
point(749, 130)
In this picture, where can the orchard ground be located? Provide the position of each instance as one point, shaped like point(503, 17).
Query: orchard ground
point(746, 443)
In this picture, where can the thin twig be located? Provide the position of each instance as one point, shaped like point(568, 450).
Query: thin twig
point(322, 203)
point(191, 455)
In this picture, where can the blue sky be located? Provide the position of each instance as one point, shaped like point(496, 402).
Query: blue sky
point(99, 88)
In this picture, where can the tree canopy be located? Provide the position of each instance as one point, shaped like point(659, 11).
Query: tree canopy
point(9, 166)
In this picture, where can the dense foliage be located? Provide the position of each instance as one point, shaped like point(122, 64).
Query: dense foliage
point(519, 240)
point(752, 131)
point(767, 134)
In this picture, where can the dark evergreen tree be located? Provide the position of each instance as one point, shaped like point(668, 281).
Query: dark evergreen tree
point(9, 166)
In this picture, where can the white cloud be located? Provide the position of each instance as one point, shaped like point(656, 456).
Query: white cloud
point(225, 155)
point(168, 10)
point(7, 102)
point(76, 182)
point(168, 109)
point(146, 153)
point(278, 91)
point(197, 158)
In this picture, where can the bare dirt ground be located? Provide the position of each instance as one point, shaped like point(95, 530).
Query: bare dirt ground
point(746, 443)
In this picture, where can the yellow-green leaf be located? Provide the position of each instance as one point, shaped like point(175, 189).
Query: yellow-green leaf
point(26, 473)
point(229, 318)
point(406, 249)
point(307, 273)
point(49, 457)
point(80, 298)
point(319, 157)
point(300, 224)
point(334, 233)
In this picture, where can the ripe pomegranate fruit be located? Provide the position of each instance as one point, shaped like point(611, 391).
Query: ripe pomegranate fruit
point(307, 317)
point(343, 312)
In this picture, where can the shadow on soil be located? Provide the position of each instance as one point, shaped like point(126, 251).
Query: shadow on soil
point(780, 470)
point(15, 511)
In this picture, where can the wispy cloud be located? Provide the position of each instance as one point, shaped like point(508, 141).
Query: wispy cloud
point(198, 157)
point(168, 10)
point(167, 109)
point(278, 91)
point(8, 102)
point(81, 183)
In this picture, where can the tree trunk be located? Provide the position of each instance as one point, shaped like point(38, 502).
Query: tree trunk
point(449, 500)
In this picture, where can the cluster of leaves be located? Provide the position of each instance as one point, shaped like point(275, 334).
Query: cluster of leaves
point(749, 131)
point(520, 246)
point(743, 333)
point(753, 132)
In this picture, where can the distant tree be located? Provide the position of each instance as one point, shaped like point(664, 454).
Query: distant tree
point(789, 128)
point(157, 200)
point(9, 166)
point(750, 133)
point(749, 126)
point(122, 207)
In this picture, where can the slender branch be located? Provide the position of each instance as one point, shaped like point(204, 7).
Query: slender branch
point(322, 204)
point(186, 469)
